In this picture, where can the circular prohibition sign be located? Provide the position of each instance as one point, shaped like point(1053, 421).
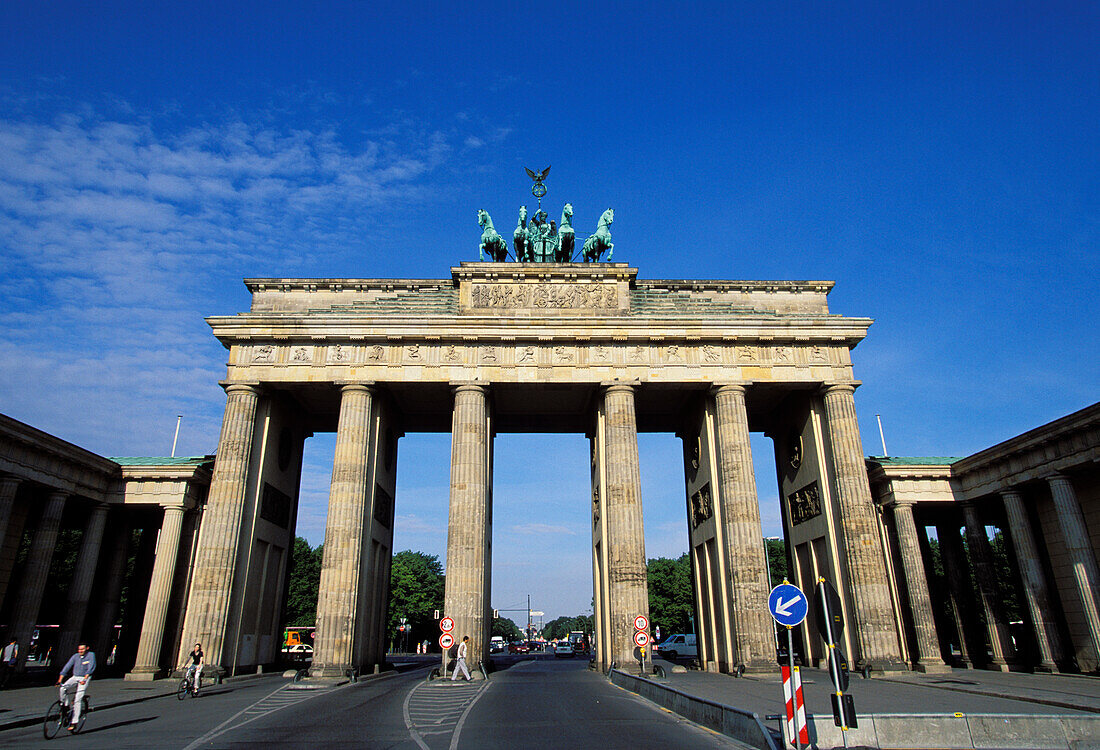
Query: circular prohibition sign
point(641, 622)
point(641, 638)
point(446, 640)
point(447, 624)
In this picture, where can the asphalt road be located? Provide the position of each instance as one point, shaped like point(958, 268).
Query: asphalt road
point(543, 703)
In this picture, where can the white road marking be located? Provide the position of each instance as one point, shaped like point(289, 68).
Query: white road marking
point(270, 703)
point(439, 710)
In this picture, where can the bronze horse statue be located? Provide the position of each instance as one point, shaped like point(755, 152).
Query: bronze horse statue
point(521, 239)
point(491, 241)
point(595, 245)
point(566, 236)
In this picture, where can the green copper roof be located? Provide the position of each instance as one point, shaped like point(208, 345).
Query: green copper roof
point(160, 460)
point(915, 461)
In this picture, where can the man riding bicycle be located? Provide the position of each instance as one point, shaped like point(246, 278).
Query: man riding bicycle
point(194, 669)
point(81, 665)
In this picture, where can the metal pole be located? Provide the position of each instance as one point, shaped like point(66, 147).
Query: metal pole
point(794, 696)
point(881, 436)
point(177, 437)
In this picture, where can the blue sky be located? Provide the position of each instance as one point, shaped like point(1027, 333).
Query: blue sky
point(939, 161)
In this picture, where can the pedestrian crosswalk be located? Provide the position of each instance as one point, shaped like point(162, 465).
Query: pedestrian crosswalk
point(435, 711)
point(275, 701)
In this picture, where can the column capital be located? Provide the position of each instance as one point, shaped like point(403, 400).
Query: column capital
point(10, 480)
point(741, 387)
point(617, 387)
point(1058, 478)
point(233, 386)
point(837, 386)
point(895, 504)
point(1010, 492)
point(174, 508)
point(460, 386)
point(358, 385)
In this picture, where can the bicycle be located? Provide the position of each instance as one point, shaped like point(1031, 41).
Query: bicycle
point(187, 685)
point(58, 716)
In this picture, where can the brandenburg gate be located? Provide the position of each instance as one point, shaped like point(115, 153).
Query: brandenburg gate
point(539, 347)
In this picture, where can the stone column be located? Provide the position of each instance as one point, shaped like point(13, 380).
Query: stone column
point(80, 589)
point(746, 567)
point(338, 605)
point(8, 487)
point(1036, 591)
point(1086, 577)
point(118, 548)
point(627, 583)
point(981, 558)
point(958, 575)
point(29, 597)
point(216, 562)
point(874, 625)
point(147, 665)
point(466, 596)
point(916, 583)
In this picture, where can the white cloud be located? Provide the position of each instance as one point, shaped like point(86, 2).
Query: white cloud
point(542, 528)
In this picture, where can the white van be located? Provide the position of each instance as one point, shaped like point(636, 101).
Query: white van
point(678, 645)
point(496, 644)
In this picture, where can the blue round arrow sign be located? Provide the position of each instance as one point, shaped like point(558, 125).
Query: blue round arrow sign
point(788, 604)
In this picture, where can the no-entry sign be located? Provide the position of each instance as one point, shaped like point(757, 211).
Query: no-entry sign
point(641, 622)
point(641, 638)
point(446, 641)
point(447, 624)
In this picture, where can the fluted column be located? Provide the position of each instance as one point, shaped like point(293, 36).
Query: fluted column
point(80, 589)
point(957, 574)
point(114, 573)
point(627, 584)
point(1036, 590)
point(469, 551)
point(29, 597)
point(981, 558)
point(874, 613)
point(338, 605)
point(147, 665)
point(746, 571)
point(216, 561)
point(8, 487)
point(1086, 577)
point(916, 583)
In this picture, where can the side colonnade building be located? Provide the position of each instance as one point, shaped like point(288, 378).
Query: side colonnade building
point(582, 348)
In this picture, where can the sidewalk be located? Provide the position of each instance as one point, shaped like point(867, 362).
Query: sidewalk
point(25, 706)
point(961, 709)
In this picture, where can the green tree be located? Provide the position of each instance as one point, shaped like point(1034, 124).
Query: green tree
point(561, 627)
point(304, 580)
point(670, 597)
point(416, 591)
point(777, 560)
point(507, 629)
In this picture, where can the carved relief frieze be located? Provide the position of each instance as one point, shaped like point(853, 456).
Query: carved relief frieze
point(805, 503)
point(701, 506)
point(263, 355)
point(489, 355)
point(564, 355)
point(376, 354)
point(545, 295)
point(414, 354)
point(300, 355)
point(673, 354)
point(595, 505)
point(526, 355)
point(452, 355)
point(819, 354)
point(710, 354)
point(338, 354)
point(783, 355)
point(746, 353)
point(600, 355)
point(636, 354)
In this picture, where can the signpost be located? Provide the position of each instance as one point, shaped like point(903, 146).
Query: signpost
point(641, 640)
point(447, 624)
point(830, 621)
point(788, 606)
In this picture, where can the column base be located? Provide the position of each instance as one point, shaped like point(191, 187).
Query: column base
point(878, 667)
point(332, 671)
point(1047, 668)
point(932, 667)
point(998, 665)
point(145, 674)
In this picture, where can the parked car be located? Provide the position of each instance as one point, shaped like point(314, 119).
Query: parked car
point(300, 651)
point(563, 649)
point(519, 647)
point(678, 645)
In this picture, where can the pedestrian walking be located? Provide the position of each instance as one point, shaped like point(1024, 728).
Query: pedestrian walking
point(8, 660)
point(460, 664)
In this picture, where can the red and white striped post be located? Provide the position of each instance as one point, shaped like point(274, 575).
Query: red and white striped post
point(794, 730)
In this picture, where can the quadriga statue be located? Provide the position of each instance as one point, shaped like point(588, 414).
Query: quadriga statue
point(595, 245)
